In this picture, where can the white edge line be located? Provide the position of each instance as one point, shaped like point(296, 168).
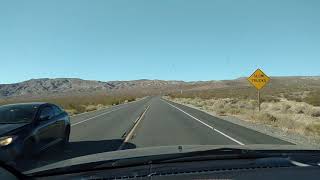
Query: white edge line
point(95, 117)
point(229, 137)
point(300, 164)
point(238, 142)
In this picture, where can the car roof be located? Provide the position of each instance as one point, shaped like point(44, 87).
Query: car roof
point(29, 103)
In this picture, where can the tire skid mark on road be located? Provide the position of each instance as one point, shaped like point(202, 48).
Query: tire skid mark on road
point(205, 124)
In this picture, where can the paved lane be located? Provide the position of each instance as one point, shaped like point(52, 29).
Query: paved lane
point(168, 123)
point(109, 124)
point(164, 125)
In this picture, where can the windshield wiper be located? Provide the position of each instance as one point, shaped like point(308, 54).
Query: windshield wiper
point(221, 154)
point(215, 154)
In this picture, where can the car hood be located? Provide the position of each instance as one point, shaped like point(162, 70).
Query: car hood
point(5, 128)
point(152, 151)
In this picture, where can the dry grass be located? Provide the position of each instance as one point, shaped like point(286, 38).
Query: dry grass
point(313, 129)
point(77, 104)
point(313, 98)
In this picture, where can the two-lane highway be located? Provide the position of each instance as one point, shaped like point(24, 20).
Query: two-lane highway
point(149, 122)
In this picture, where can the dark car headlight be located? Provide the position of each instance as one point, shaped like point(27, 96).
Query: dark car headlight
point(6, 140)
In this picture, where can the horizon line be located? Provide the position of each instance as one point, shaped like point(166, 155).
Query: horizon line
point(286, 76)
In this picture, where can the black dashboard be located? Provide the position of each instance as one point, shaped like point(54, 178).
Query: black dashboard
point(262, 169)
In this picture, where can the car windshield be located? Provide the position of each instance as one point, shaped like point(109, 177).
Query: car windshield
point(17, 113)
point(84, 81)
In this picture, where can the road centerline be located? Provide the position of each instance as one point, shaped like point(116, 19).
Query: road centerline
point(136, 123)
point(205, 124)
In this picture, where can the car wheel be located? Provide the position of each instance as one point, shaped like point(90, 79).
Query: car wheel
point(66, 137)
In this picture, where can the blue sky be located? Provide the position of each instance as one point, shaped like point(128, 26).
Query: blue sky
point(164, 39)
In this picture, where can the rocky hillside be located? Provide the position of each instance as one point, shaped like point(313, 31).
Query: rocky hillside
point(44, 87)
point(52, 87)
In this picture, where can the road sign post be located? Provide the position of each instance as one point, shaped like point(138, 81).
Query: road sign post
point(259, 79)
point(259, 100)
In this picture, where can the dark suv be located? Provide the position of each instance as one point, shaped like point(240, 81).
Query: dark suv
point(29, 128)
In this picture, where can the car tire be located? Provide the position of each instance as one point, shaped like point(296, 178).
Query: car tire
point(66, 136)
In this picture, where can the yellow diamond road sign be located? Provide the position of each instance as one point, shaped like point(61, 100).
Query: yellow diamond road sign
point(258, 79)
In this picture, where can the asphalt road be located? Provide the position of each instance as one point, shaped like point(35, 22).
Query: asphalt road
point(151, 121)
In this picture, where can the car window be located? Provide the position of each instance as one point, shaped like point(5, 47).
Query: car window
point(46, 111)
point(17, 113)
point(57, 111)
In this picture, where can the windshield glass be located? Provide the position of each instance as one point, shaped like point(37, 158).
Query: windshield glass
point(17, 113)
point(86, 81)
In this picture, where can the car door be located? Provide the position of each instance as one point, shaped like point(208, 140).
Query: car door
point(60, 120)
point(47, 126)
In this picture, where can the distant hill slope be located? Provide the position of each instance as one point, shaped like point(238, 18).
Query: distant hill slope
point(52, 87)
point(48, 87)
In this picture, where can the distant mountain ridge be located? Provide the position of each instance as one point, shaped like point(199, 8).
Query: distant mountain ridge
point(46, 86)
point(58, 86)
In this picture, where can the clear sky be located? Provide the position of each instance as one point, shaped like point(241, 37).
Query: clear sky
point(163, 39)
